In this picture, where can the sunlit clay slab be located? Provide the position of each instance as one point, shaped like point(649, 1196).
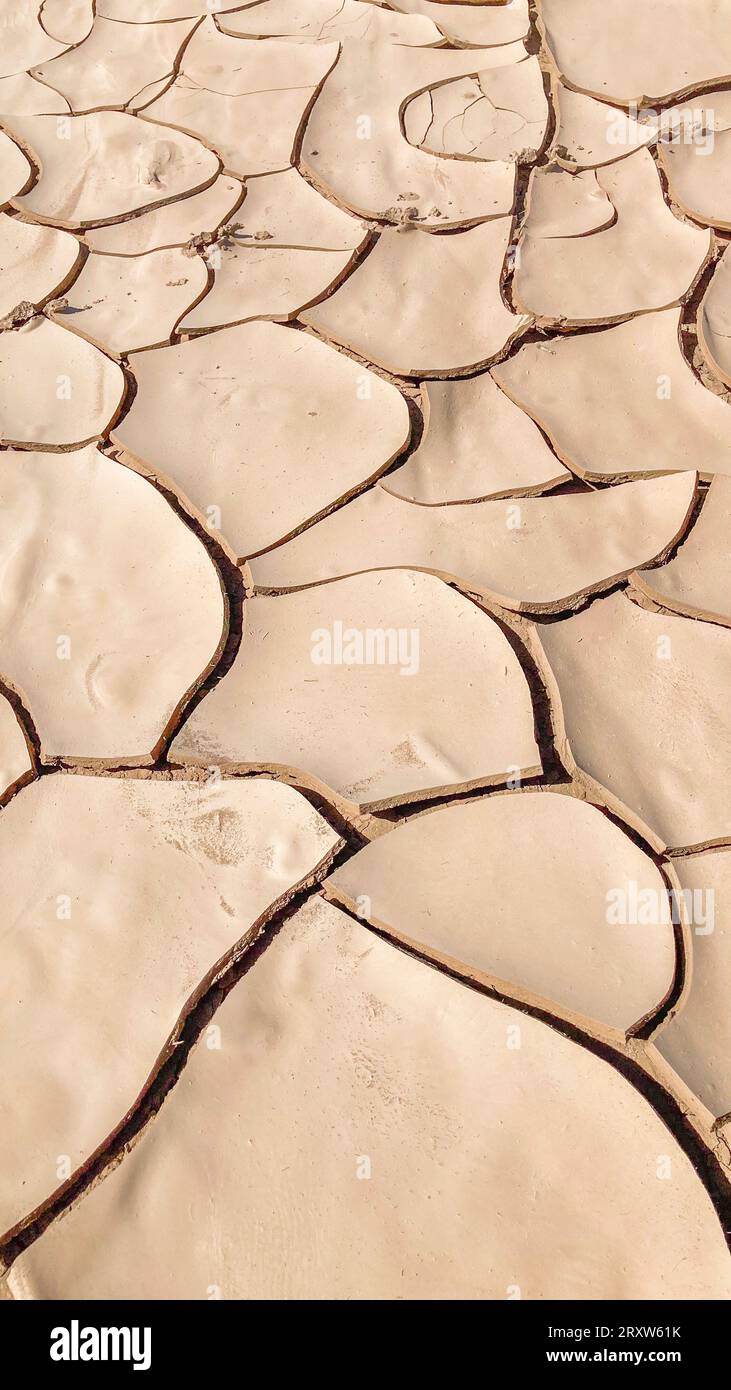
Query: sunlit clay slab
point(714, 320)
point(126, 302)
point(501, 113)
point(474, 25)
point(323, 21)
point(15, 759)
point(173, 224)
point(245, 99)
point(642, 703)
point(58, 389)
point(288, 247)
point(697, 1041)
point(25, 41)
point(107, 165)
point(34, 262)
point(541, 553)
point(382, 687)
point(128, 896)
point(395, 1089)
point(115, 63)
point(261, 428)
point(432, 884)
point(15, 171)
point(697, 581)
point(421, 304)
point(590, 133)
point(603, 243)
point(111, 609)
point(21, 94)
point(630, 52)
point(255, 282)
point(69, 21)
point(621, 401)
point(148, 11)
point(696, 157)
point(355, 147)
point(475, 444)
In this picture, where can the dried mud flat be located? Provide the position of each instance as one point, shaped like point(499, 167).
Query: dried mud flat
point(365, 494)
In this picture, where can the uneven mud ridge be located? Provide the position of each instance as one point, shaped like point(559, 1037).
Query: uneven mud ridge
point(365, 483)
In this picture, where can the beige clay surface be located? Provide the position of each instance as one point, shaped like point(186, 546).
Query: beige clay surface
point(613, 249)
point(365, 492)
point(84, 621)
point(334, 1048)
point(697, 1042)
point(714, 320)
point(637, 693)
point(304, 654)
point(638, 406)
point(208, 861)
point(476, 443)
point(422, 304)
point(218, 418)
point(540, 553)
point(697, 580)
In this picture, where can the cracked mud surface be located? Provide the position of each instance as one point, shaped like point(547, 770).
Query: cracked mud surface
point(365, 484)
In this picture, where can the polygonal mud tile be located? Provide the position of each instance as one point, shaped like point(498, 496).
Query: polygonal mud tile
point(261, 428)
point(289, 245)
point(35, 262)
point(603, 243)
point(421, 304)
point(25, 41)
point(69, 21)
point(632, 53)
point(355, 147)
point(15, 170)
point(382, 687)
point(103, 166)
point(325, 21)
point(695, 152)
point(475, 444)
point(122, 303)
point(697, 1040)
point(621, 401)
point(641, 702)
point(462, 883)
point(714, 320)
point(352, 1082)
point(131, 896)
point(115, 63)
point(16, 764)
point(471, 24)
point(284, 210)
point(697, 581)
point(111, 609)
point(57, 389)
point(152, 11)
point(173, 224)
point(501, 113)
point(590, 133)
point(20, 94)
point(254, 282)
point(540, 554)
point(248, 101)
